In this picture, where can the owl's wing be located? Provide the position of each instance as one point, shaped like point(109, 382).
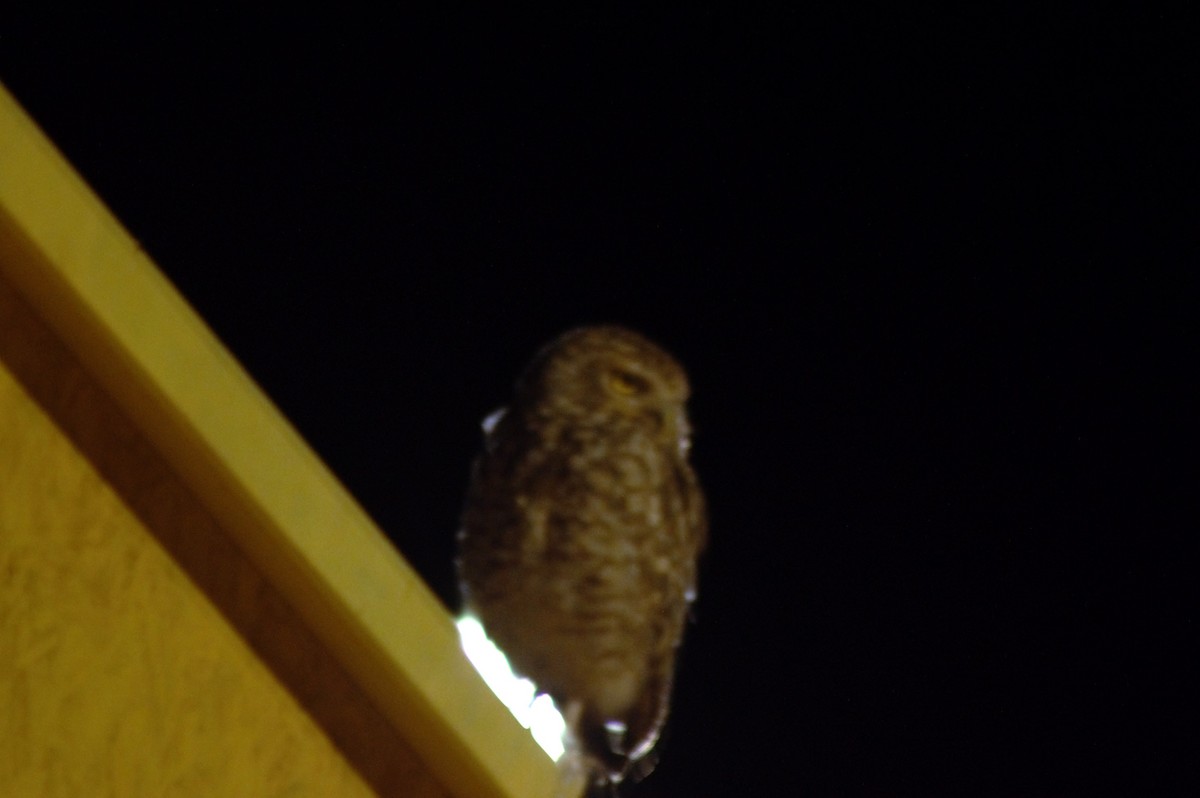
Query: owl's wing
point(645, 721)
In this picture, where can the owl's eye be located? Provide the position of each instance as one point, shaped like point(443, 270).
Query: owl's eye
point(623, 383)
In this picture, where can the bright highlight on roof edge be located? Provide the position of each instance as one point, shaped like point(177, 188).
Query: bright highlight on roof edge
point(534, 711)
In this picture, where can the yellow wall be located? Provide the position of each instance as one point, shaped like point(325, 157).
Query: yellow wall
point(117, 675)
point(190, 603)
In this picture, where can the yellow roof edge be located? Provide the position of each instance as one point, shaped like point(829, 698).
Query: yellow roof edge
point(90, 281)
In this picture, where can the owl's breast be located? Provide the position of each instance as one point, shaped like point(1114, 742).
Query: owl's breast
point(576, 555)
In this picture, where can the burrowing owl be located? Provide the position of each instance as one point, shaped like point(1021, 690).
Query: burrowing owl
point(581, 533)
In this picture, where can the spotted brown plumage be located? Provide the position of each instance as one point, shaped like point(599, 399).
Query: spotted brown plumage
point(581, 533)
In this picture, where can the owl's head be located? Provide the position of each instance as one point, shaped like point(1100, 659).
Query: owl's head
point(607, 375)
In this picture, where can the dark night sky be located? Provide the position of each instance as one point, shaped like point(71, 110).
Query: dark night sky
point(927, 274)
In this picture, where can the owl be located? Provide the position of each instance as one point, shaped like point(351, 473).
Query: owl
point(580, 537)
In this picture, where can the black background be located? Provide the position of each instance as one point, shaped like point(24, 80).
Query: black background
point(927, 272)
